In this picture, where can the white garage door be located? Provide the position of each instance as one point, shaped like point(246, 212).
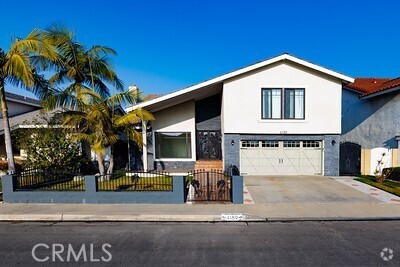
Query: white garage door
point(280, 157)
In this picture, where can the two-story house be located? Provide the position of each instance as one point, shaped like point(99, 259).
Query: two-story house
point(278, 116)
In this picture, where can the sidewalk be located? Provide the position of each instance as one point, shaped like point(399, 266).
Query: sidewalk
point(197, 212)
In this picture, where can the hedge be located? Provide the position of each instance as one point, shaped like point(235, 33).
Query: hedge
point(395, 173)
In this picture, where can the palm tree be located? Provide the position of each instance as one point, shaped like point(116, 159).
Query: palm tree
point(18, 68)
point(81, 87)
point(100, 124)
point(82, 70)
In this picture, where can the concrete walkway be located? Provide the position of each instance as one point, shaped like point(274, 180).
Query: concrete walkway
point(197, 212)
point(369, 190)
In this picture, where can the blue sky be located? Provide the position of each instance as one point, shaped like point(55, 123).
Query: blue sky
point(167, 45)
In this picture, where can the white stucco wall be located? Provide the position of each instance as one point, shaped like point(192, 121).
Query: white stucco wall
point(179, 118)
point(242, 101)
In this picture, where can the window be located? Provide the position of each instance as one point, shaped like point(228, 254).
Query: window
point(288, 101)
point(311, 143)
point(294, 103)
point(173, 145)
point(271, 103)
point(250, 144)
point(291, 143)
point(269, 143)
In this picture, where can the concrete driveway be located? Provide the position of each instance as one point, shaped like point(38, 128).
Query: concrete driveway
point(303, 189)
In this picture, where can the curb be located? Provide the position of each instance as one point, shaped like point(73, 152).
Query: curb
point(119, 218)
point(172, 218)
point(334, 219)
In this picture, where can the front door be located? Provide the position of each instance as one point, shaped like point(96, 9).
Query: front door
point(209, 145)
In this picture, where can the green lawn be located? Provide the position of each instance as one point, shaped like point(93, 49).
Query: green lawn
point(390, 187)
point(53, 185)
point(69, 186)
point(120, 182)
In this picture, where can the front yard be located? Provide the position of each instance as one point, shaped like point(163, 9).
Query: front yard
point(118, 181)
point(388, 186)
point(144, 182)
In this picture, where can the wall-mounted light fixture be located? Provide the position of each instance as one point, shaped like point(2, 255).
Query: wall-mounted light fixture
point(232, 142)
point(333, 142)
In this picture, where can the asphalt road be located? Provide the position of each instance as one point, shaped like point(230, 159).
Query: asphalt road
point(202, 244)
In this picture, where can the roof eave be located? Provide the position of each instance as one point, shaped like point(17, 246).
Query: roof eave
point(386, 91)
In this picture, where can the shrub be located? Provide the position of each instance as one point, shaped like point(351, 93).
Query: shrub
point(49, 147)
point(393, 173)
point(4, 165)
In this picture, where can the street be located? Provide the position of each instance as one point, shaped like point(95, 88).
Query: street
point(202, 244)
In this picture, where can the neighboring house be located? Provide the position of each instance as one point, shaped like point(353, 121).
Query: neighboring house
point(20, 109)
point(281, 116)
point(371, 121)
point(23, 109)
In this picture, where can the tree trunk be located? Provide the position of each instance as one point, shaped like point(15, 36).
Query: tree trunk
point(100, 161)
point(7, 131)
point(111, 166)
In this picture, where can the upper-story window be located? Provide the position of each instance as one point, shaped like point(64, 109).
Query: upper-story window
point(283, 103)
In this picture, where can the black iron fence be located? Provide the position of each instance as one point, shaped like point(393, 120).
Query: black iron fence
point(135, 181)
point(214, 185)
point(48, 179)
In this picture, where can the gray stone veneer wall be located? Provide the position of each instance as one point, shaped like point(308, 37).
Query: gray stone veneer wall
point(331, 152)
point(174, 165)
point(331, 155)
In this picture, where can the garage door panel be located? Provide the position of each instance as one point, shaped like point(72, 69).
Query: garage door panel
point(311, 161)
point(249, 160)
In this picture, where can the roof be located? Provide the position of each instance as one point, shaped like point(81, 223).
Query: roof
point(22, 99)
point(369, 87)
point(241, 71)
point(18, 120)
point(151, 97)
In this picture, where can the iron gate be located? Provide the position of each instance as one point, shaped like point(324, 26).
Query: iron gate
point(350, 159)
point(209, 144)
point(211, 185)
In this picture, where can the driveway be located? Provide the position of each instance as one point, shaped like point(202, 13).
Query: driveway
point(303, 189)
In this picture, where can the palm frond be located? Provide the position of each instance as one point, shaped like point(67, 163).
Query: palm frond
point(127, 97)
point(127, 119)
point(99, 51)
point(38, 43)
point(143, 114)
point(18, 66)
